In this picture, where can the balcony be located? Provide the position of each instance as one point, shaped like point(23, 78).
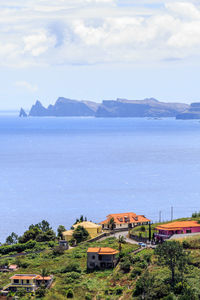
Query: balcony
point(163, 236)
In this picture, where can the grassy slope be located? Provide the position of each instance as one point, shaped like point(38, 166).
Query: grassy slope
point(103, 284)
point(96, 282)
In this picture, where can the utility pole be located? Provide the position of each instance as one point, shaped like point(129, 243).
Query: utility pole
point(150, 231)
point(172, 213)
point(160, 216)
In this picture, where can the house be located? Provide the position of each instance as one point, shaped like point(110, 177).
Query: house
point(165, 231)
point(13, 267)
point(64, 244)
point(101, 257)
point(124, 220)
point(30, 282)
point(92, 228)
point(67, 235)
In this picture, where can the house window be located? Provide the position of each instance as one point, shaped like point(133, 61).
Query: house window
point(120, 225)
point(16, 280)
point(93, 257)
point(27, 281)
point(188, 230)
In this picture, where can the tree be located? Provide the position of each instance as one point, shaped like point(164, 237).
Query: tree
point(111, 223)
point(44, 273)
point(121, 240)
point(12, 239)
point(21, 292)
point(80, 234)
point(144, 286)
point(40, 232)
point(60, 230)
point(172, 255)
point(40, 292)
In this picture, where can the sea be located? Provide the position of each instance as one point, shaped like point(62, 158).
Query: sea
point(60, 168)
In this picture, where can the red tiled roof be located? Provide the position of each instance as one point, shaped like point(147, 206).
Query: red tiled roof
point(39, 277)
point(31, 276)
point(21, 276)
point(102, 250)
point(126, 218)
point(178, 225)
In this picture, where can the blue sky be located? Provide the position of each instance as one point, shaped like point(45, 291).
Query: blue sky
point(98, 49)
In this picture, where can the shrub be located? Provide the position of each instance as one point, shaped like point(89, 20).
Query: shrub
point(88, 296)
point(142, 229)
point(17, 247)
point(142, 265)
point(171, 296)
point(147, 257)
point(59, 250)
point(40, 292)
point(125, 265)
point(119, 290)
point(70, 294)
point(71, 267)
point(51, 244)
point(134, 258)
point(186, 244)
point(136, 272)
point(71, 277)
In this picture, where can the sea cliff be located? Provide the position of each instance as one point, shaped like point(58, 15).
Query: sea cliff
point(120, 108)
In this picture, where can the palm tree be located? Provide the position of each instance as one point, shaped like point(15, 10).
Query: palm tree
point(111, 223)
point(44, 273)
point(121, 240)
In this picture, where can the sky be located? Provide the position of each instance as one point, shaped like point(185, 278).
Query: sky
point(98, 50)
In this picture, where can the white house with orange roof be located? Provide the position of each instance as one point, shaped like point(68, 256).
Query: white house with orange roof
point(101, 257)
point(124, 220)
point(30, 282)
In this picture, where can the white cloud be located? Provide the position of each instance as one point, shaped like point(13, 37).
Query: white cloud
point(39, 32)
point(26, 85)
point(38, 43)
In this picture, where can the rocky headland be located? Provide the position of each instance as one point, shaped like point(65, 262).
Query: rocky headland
point(120, 108)
point(193, 112)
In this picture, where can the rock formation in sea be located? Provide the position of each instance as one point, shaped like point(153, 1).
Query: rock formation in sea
point(65, 108)
point(149, 107)
point(193, 112)
point(22, 113)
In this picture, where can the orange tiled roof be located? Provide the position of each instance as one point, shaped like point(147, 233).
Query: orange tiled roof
point(102, 250)
point(31, 276)
point(126, 218)
point(23, 276)
point(178, 225)
point(39, 277)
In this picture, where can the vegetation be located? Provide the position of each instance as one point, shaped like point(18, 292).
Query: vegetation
point(172, 255)
point(170, 272)
point(40, 232)
point(80, 234)
point(60, 230)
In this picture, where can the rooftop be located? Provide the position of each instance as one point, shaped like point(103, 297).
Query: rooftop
point(128, 217)
point(178, 225)
point(86, 224)
point(102, 250)
point(30, 276)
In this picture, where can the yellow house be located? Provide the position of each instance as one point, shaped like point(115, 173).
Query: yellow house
point(30, 282)
point(92, 228)
point(67, 235)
